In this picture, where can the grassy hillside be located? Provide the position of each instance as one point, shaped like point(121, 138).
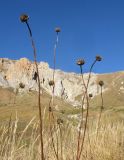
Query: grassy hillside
point(20, 127)
point(25, 104)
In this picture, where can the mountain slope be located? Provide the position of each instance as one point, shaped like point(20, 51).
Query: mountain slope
point(68, 86)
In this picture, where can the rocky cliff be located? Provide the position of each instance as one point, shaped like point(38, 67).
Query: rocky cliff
point(20, 75)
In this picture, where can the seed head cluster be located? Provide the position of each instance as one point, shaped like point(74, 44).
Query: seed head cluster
point(24, 18)
point(80, 62)
point(59, 121)
point(57, 30)
point(90, 95)
point(51, 83)
point(98, 58)
point(101, 83)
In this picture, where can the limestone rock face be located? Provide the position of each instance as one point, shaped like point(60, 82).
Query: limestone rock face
point(21, 74)
point(3, 82)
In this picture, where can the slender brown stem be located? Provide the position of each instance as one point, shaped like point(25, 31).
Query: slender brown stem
point(100, 114)
point(82, 109)
point(54, 56)
point(57, 144)
point(51, 130)
point(52, 138)
point(39, 91)
point(51, 103)
point(8, 133)
point(87, 112)
point(61, 142)
point(85, 128)
point(84, 94)
point(89, 139)
point(90, 72)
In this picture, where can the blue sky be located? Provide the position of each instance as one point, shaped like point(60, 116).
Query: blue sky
point(89, 27)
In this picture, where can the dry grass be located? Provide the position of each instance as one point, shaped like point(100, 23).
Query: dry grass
point(19, 138)
point(19, 134)
point(23, 144)
point(26, 105)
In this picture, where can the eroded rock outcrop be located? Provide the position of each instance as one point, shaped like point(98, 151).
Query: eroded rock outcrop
point(16, 73)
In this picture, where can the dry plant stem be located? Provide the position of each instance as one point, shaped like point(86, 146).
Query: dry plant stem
point(90, 73)
point(9, 132)
point(57, 144)
point(10, 120)
point(88, 134)
point(54, 67)
point(82, 76)
point(39, 98)
point(85, 95)
point(61, 142)
point(51, 103)
point(54, 58)
point(53, 145)
point(87, 112)
point(53, 92)
point(82, 104)
point(100, 114)
point(84, 133)
point(51, 132)
point(89, 138)
point(51, 116)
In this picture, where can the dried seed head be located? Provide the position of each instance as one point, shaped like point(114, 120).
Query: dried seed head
point(90, 95)
point(98, 58)
point(57, 30)
point(102, 107)
point(101, 83)
point(50, 109)
point(80, 62)
point(59, 121)
point(21, 85)
point(51, 83)
point(24, 18)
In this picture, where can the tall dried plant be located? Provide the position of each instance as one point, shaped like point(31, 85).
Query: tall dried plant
point(51, 104)
point(79, 152)
point(24, 18)
point(101, 84)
